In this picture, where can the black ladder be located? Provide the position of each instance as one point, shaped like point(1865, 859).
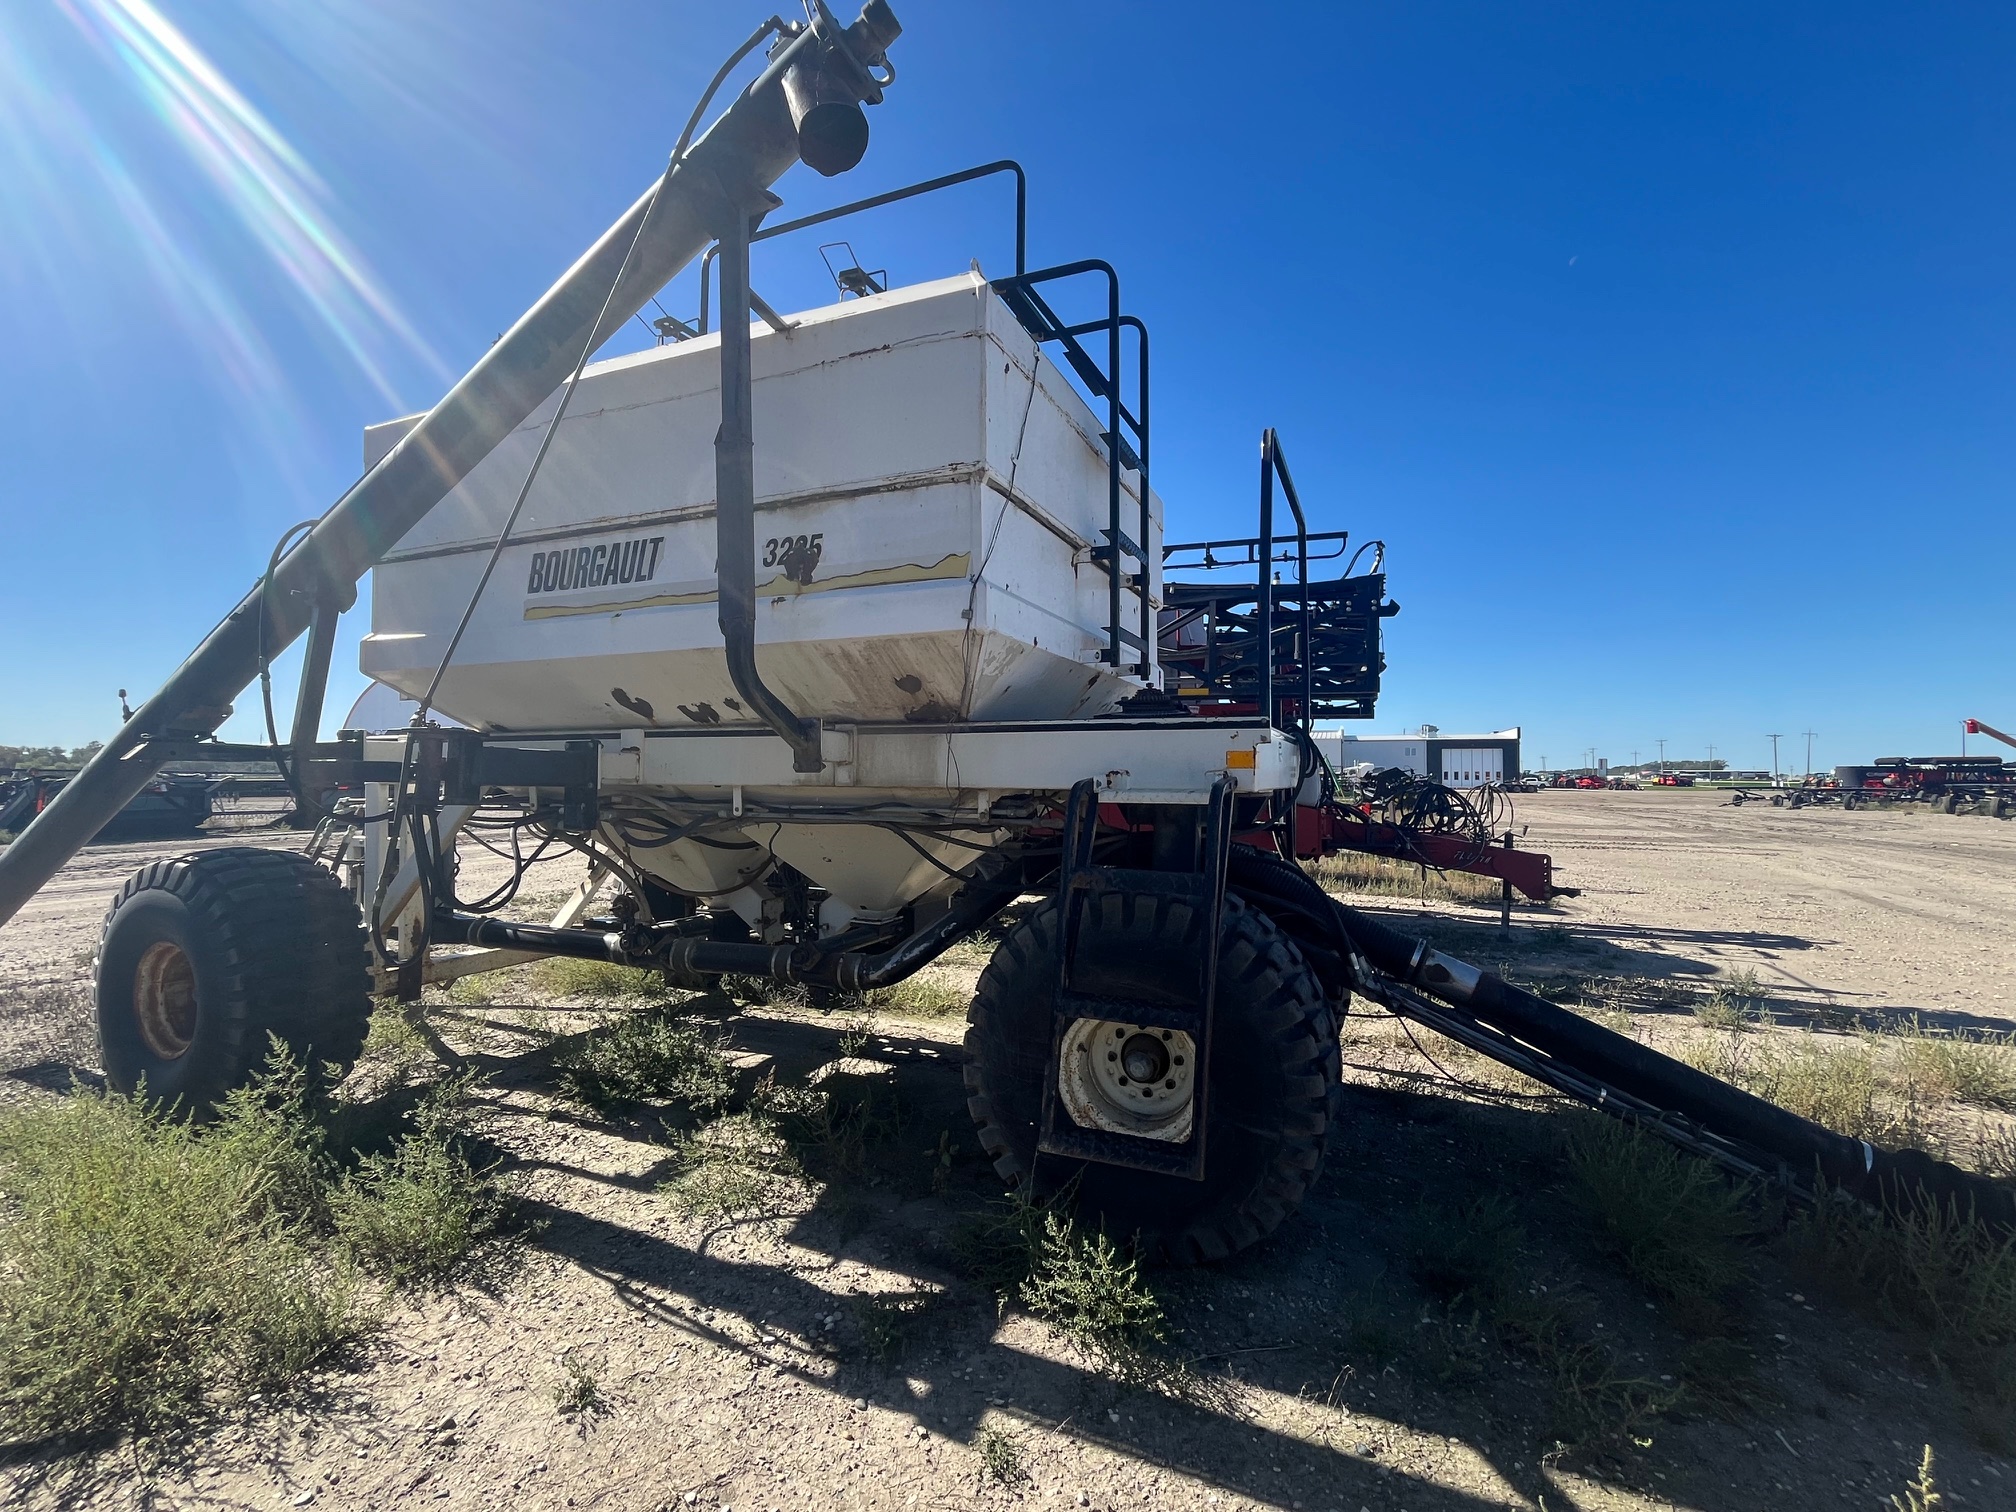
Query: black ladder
point(1080, 882)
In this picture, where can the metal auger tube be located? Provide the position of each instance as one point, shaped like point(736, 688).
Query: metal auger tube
point(748, 148)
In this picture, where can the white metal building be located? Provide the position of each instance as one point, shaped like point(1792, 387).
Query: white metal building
point(1459, 761)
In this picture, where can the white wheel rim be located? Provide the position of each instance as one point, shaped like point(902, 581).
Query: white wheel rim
point(1129, 1079)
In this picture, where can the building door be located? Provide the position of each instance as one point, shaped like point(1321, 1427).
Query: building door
point(1470, 767)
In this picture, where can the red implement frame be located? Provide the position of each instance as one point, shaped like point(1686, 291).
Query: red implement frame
point(1323, 831)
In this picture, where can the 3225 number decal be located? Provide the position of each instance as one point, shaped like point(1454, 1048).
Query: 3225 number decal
point(797, 555)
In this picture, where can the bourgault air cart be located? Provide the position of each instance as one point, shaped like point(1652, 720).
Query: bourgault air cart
point(826, 642)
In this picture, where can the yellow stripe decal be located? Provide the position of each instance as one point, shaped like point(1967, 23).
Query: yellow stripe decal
point(957, 565)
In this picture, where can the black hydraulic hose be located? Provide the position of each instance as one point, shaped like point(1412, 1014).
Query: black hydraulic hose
point(1802, 1148)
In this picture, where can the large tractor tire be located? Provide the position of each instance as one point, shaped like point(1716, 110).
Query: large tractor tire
point(206, 956)
point(1268, 1083)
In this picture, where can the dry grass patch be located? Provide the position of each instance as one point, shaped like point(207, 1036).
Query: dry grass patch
point(1942, 1276)
point(1354, 871)
point(1948, 1067)
point(1835, 1081)
point(936, 992)
point(565, 977)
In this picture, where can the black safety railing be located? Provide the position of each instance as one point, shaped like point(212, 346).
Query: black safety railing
point(1104, 382)
point(875, 202)
point(1294, 652)
point(1244, 551)
point(1275, 465)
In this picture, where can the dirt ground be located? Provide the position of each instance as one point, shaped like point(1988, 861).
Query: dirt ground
point(836, 1353)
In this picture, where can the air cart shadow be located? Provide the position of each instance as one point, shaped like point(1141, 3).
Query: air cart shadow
point(1666, 974)
point(1677, 967)
point(57, 1076)
point(1324, 1327)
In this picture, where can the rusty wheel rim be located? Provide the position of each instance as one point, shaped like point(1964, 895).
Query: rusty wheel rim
point(164, 999)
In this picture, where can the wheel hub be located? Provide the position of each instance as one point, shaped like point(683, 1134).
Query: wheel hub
point(1129, 1079)
point(164, 999)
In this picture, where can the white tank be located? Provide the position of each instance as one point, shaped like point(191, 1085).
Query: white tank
point(929, 488)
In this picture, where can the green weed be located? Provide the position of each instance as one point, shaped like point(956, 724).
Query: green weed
point(578, 1391)
point(393, 1035)
point(857, 1035)
point(150, 1269)
point(731, 1167)
point(998, 1247)
point(1472, 1252)
point(1944, 1276)
point(418, 1212)
point(647, 1056)
point(563, 976)
point(1473, 1257)
point(933, 993)
point(1001, 1456)
point(887, 1321)
point(1091, 1291)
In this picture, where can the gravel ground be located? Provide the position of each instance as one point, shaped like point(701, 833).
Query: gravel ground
point(751, 1364)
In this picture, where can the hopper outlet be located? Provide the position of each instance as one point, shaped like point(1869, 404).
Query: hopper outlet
point(870, 872)
point(873, 872)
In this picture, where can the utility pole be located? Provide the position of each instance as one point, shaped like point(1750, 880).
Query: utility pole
point(1634, 761)
point(1662, 758)
point(1774, 739)
point(1711, 757)
point(1809, 752)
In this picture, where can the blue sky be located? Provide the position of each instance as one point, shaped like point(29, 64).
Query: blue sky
point(1671, 349)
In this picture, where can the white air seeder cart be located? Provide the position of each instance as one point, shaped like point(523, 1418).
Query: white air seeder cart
point(826, 641)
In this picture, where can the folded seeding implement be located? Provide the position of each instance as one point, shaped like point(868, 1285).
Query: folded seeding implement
point(819, 712)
